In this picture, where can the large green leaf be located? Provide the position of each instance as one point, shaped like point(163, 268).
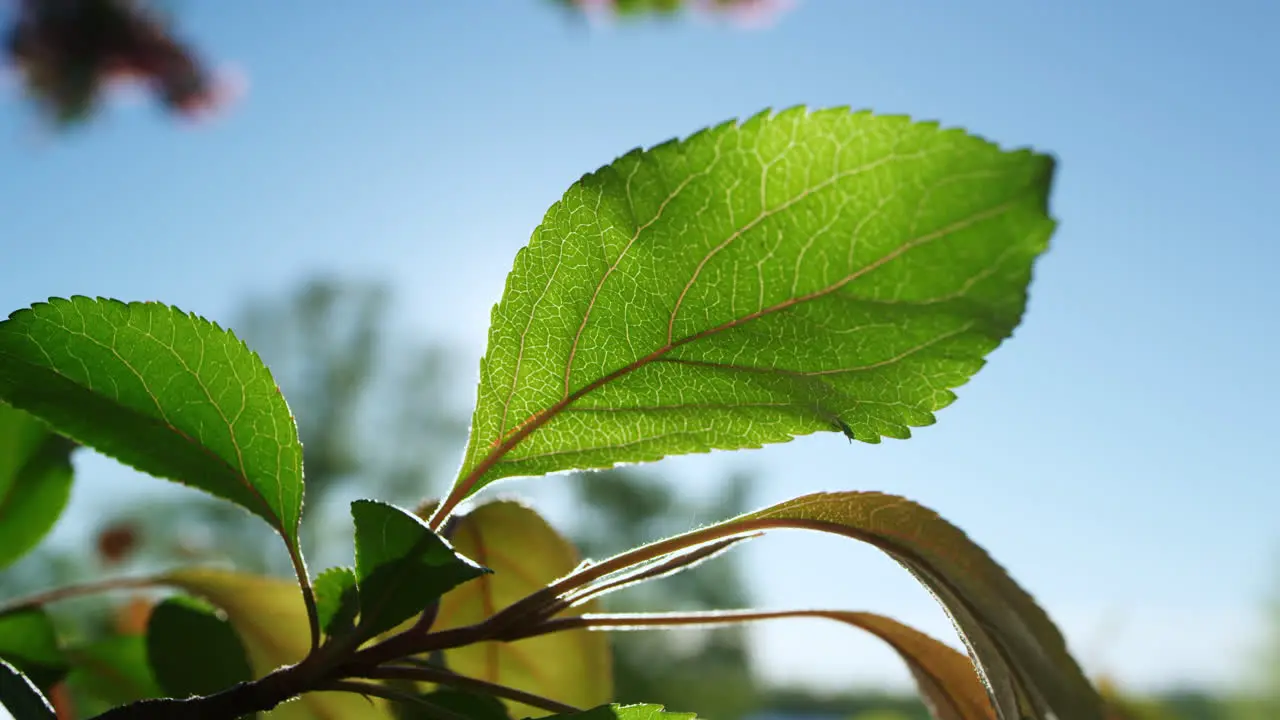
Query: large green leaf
point(178, 625)
point(401, 565)
point(1023, 657)
point(271, 619)
point(167, 392)
point(19, 696)
point(29, 642)
point(35, 481)
point(525, 554)
point(799, 272)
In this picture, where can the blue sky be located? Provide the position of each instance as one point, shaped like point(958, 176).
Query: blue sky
point(1112, 455)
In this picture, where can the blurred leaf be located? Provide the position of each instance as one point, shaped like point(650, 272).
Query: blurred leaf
point(337, 600)
point(272, 622)
point(35, 481)
point(795, 273)
point(525, 554)
point(20, 697)
point(167, 392)
point(1021, 653)
point(948, 681)
point(192, 651)
point(113, 671)
point(29, 642)
point(401, 565)
point(627, 712)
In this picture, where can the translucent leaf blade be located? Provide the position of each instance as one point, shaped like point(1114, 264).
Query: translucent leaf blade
point(35, 481)
point(525, 554)
point(169, 393)
point(948, 681)
point(796, 273)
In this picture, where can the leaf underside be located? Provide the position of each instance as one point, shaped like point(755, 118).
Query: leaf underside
point(166, 392)
point(1024, 660)
point(795, 273)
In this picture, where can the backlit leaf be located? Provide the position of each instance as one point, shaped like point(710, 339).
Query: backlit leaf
point(1022, 655)
point(167, 392)
point(948, 681)
point(271, 619)
point(401, 565)
point(19, 696)
point(525, 554)
point(180, 624)
point(795, 273)
point(35, 481)
point(29, 642)
point(337, 600)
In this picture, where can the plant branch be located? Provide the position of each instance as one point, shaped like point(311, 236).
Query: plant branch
point(68, 592)
point(423, 673)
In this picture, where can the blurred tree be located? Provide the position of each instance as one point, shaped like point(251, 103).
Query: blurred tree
point(707, 671)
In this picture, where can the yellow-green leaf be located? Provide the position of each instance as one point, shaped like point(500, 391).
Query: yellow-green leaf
point(1020, 652)
point(271, 619)
point(525, 553)
point(948, 682)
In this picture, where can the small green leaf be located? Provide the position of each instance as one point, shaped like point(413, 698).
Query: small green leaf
point(337, 600)
point(20, 696)
point(176, 627)
point(112, 671)
point(169, 393)
point(269, 615)
point(35, 481)
point(401, 565)
point(626, 712)
point(794, 273)
point(29, 642)
point(526, 554)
